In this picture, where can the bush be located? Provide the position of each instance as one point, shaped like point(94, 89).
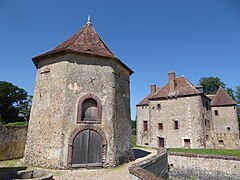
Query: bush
point(134, 132)
point(15, 124)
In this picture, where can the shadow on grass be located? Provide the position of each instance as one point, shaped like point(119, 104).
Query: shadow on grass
point(6, 173)
point(138, 153)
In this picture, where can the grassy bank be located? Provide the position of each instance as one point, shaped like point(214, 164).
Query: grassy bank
point(134, 139)
point(15, 124)
point(225, 152)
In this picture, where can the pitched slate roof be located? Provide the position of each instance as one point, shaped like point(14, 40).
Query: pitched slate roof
point(222, 98)
point(183, 88)
point(145, 100)
point(86, 41)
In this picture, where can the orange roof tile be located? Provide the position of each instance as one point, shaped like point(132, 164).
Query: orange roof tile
point(183, 88)
point(86, 41)
point(145, 100)
point(222, 98)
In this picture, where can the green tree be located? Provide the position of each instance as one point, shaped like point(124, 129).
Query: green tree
point(231, 93)
point(237, 94)
point(134, 127)
point(14, 103)
point(211, 84)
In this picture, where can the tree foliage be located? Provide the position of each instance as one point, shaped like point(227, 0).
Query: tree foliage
point(231, 93)
point(15, 103)
point(211, 84)
point(237, 94)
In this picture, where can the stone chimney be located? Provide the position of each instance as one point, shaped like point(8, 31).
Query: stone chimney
point(172, 81)
point(199, 88)
point(153, 88)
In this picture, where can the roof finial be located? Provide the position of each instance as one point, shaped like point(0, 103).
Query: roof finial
point(89, 18)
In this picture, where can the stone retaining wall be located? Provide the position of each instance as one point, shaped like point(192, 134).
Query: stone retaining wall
point(154, 168)
point(12, 142)
point(200, 166)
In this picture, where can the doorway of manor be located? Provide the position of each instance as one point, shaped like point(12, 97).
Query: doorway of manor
point(87, 149)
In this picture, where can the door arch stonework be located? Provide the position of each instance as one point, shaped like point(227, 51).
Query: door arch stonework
point(83, 128)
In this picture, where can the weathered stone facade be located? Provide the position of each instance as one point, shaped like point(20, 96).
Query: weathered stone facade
point(180, 115)
point(63, 83)
point(154, 168)
point(205, 167)
point(225, 133)
point(12, 142)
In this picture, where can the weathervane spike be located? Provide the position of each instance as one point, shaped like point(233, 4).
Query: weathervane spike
point(89, 19)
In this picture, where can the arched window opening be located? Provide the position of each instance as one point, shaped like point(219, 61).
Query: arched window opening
point(89, 110)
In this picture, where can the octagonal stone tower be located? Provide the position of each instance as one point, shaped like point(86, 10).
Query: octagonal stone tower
point(80, 113)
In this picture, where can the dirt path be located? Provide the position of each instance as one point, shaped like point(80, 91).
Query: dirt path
point(118, 173)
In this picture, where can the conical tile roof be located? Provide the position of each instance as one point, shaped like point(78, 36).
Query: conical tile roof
point(222, 98)
point(86, 41)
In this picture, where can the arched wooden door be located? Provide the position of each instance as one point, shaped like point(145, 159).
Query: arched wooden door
point(87, 149)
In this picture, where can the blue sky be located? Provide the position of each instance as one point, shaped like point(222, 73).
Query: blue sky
point(192, 38)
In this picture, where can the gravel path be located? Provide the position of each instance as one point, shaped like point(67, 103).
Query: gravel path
point(118, 173)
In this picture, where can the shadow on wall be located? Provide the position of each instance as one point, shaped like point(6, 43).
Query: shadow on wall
point(7, 172)
point(138, 153)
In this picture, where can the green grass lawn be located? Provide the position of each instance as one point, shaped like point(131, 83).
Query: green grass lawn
point(225, 152)
point(134, 139)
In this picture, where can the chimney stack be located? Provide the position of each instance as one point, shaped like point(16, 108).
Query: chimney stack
point(153, 88)
point(172, 81)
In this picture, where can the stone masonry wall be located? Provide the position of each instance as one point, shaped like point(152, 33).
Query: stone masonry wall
point(48, 115)
point(61, 82)
point(205, 167)
point(225, 126)
point(154, 168)
point(190, 114)
point(142, 115)
point(12, 142)
point(227, 117)
point(122, 125)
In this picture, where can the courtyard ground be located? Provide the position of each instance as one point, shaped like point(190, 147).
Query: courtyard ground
point(117, 173)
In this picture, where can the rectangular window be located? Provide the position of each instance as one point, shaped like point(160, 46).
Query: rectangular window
point(221, 143)
point(145, 126)
point(187, 143)
point(160, 126)
point(161, 142)
point(176, 125)
point(207, 124)
point(207, 137)
point(216, 112)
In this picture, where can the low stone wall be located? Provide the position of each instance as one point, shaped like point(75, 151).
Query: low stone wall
point(12, 142)
point(154, 168)
point(199, 166)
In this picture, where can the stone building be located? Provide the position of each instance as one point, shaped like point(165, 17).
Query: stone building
point(225, 133)
point(180, 115)
point(80, 113)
